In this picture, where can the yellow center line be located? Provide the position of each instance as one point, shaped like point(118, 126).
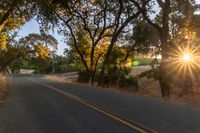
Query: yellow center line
point(138, 127)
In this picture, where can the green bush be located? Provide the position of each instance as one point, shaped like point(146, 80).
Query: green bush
point(114, 74)
point(129, 83)
point(83, 76)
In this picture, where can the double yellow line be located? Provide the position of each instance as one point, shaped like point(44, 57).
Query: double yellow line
point(133, 125)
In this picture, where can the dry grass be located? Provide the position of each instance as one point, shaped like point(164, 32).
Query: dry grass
point(55, 78)
point(3, 87)
point(149, 87)
point(192, 99)
point(60, 78)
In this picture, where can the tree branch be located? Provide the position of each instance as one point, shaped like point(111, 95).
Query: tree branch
point(144, 11)
point(6, 16)
point(160, 2)
point(75, 42)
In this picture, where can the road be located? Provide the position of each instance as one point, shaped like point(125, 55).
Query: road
point(34, 105)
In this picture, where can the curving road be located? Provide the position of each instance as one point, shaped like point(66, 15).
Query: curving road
point(34, 105)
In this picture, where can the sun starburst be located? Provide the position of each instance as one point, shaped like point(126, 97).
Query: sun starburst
point(186, 59)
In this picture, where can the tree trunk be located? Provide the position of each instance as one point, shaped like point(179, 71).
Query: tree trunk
point(164, 79)
point(91, 77)
point(92, 73)
point(117, 32)
point(106, 60)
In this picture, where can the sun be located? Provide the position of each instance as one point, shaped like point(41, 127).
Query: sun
point(186, 57)
point(185, 60)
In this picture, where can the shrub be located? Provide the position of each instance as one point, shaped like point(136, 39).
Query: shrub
point(129, 83)
point(114, 74)
point(83, 76)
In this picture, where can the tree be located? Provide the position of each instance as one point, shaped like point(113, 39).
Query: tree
point(33, 45)
point(186, 41)
point(142, 39)
point(83, 42)
point(97, 18)
point(167, 9)
point(125, 12)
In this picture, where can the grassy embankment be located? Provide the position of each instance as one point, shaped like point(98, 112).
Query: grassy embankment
point(3, 87)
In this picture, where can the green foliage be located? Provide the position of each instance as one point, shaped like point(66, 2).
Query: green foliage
point(33, 46)
point(83, 76)
point(130, 83)
point(63, 64)
point(41, 66)
point(145, 37)
point(117, 68)
point(113, 74)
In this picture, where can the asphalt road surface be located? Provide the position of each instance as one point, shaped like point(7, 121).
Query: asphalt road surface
point(34, 105)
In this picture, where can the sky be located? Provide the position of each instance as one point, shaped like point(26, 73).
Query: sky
point(33, 27)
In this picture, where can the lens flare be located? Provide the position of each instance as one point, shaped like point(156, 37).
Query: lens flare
point(185, 60)
point(186, 57)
